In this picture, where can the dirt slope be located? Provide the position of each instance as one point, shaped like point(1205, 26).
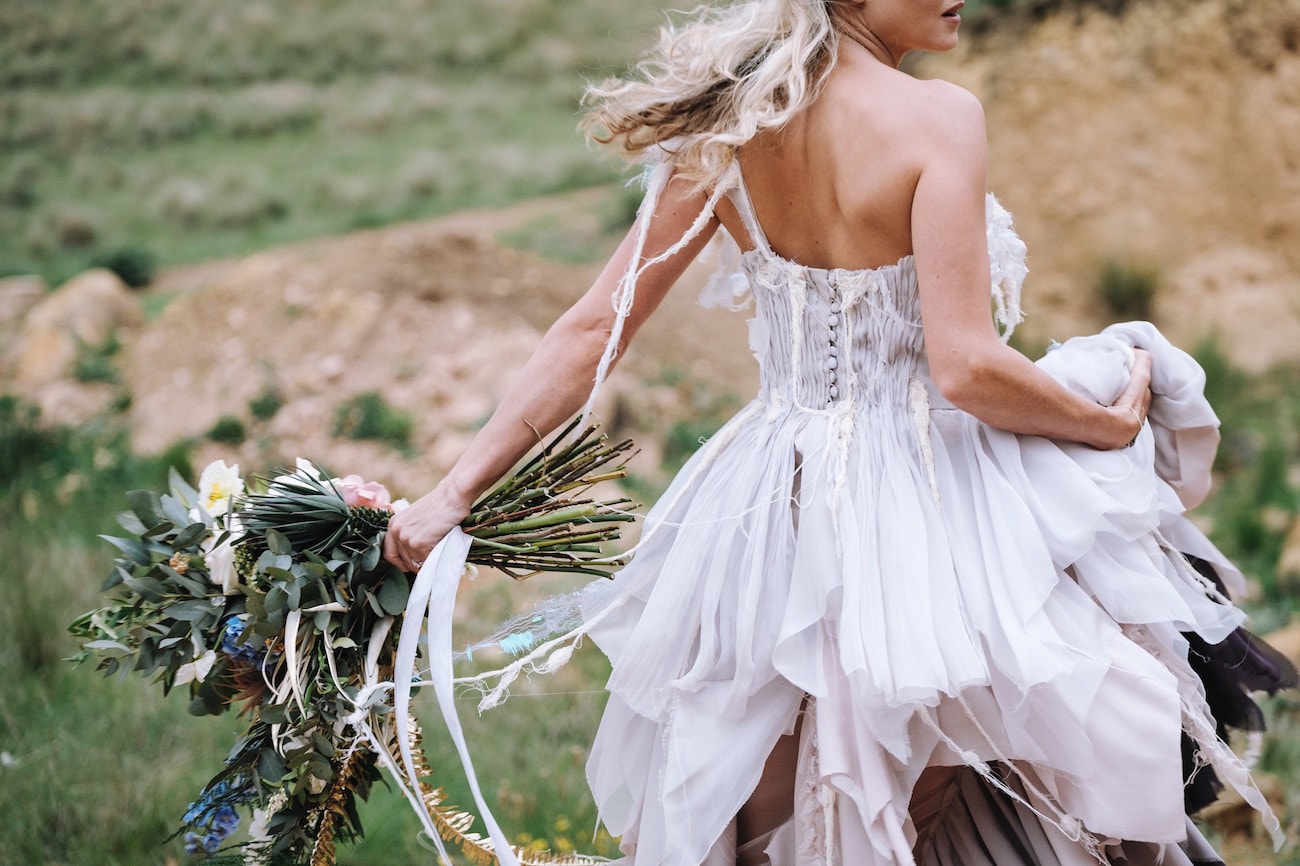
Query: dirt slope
point(437, 315)
point(1167, 137)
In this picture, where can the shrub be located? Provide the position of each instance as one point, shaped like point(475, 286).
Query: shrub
point(1127, 290)
point(24, 443)
point(94, 363)
point(265, 405)
point(368, 416)
point(134, 264)
point(228, 430)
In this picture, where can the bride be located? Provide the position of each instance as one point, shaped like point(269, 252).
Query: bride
point(922, 600)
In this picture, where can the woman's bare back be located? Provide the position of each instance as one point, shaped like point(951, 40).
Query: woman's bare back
point(834, 187)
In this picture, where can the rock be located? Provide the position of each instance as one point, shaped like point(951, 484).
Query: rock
point(89, 306)
point(17, 296)
point(70, 403)
point(85, 311)
point(1254, 295)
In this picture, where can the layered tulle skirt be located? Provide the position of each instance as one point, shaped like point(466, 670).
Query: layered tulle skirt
point(922, 590)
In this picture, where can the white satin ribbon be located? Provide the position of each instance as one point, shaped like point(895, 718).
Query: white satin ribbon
point(433, 597)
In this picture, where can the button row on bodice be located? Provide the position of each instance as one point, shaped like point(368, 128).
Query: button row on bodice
point(833, 349)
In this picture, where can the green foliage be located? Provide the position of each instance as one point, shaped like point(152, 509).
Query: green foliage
point(1127, 291)
point(266, 404)
point(708, 411)
point(94, 363)
point(368, 416)
point(136, 265)
point(1256, 500)
point(228, 430)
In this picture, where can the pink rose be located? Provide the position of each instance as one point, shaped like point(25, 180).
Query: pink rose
point(363, 494)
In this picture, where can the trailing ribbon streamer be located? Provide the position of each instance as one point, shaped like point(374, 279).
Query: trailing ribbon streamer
point(433, 600)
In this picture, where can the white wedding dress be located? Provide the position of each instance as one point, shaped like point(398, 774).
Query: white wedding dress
point(929, 590)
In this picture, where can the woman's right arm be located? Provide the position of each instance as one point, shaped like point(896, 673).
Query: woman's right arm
point(555, 382)
point(969, 363)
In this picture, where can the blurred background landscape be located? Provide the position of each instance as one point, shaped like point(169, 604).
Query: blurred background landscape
point(268, 229)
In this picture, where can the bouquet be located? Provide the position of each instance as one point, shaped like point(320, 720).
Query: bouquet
point(278, 604)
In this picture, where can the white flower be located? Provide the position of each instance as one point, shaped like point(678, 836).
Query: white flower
point(303, 467)
point(217, 485)
point(311, 470)
point(220, 558)
point(197, 669)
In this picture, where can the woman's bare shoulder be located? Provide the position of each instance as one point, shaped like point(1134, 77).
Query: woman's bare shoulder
point(941, 117)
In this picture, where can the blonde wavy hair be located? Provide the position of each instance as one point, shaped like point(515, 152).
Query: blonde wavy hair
point(715, 82)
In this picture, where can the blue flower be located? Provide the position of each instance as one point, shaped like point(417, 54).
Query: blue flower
point(213, 817)
point(252, 651)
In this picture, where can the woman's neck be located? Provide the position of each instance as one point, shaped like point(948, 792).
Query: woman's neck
point(858, 32)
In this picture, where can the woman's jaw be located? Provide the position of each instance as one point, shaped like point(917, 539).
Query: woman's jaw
point(888, 29)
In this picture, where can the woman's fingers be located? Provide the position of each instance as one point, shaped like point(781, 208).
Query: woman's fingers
point(1137, 394)
point(413, 533)
point(399, 550)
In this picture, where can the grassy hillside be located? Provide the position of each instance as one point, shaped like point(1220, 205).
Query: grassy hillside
point(193, 130)
point(183, 131)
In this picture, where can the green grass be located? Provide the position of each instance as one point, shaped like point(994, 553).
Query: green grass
point(186, 131)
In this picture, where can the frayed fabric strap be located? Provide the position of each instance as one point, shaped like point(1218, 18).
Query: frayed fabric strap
point(625, 295)
point(434, 592)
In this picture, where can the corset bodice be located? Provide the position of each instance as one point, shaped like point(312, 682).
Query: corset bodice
point(827, 337)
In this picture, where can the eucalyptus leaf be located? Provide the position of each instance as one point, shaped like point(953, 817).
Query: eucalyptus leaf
point(134, 550)
point(132, 524)
point(374, 603)
point(270, 766)
point(256, 605)
point(194, 586)
point(174, 511)
point(181, 488)
point(191, 611)
point(276, 543)
point(147, 588)
point(323, 745)
point(114, 578)
point(268, 627)
point(146, 505)
point(107, 645)
point(276, 599)
point(278, 574)
point(394, 592)
point(321, 770)
point(190, 535)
